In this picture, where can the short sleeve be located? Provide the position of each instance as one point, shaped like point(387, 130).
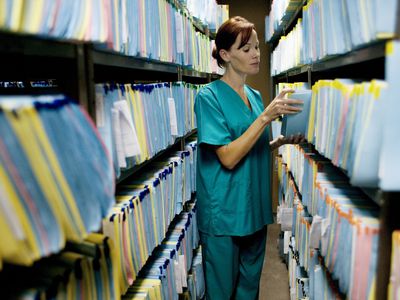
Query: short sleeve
point(212, 127)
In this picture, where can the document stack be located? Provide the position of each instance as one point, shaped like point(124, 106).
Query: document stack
point(153, 29)
point(145, 208)
point(166, 274)
point(344, 115)
point(280, 14)
point(85, 270)
point(335, 227)
point(57, 183)
point(288, 53)
point(329, 28)
point(138, 121)
point(208, 12)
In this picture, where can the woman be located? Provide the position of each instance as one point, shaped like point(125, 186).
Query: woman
point(233, 183)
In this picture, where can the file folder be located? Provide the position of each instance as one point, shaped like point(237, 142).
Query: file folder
point(297, 124)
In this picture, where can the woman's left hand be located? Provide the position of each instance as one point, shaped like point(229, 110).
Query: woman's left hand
point(293, 139)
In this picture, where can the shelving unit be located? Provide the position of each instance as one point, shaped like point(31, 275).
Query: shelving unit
point(364, 63)
point(341, 296)
point(73, 68)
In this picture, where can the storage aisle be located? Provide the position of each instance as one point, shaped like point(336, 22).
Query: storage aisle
point(274, 278)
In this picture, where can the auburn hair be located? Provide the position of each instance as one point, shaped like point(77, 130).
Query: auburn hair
point(227, 34)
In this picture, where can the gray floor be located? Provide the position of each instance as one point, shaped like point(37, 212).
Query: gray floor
point(274, 279)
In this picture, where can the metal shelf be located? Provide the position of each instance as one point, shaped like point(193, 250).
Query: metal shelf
point(215, 76)
point(375, 194)
point(193, 73)
point(31, 45)
point(298, 70)
point(178, 142)
point(280, 76)
point(293, 72)
point(113, 59)
point(361, 55)
point(275, 37)
point(364, 54)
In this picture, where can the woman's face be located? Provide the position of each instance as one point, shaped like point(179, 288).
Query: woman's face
point(245, 60)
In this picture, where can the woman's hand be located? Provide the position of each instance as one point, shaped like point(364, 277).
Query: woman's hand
point(280, 106)
point(281, 140)
point(293, 139)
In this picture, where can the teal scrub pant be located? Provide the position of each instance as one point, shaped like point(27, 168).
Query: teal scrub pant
point(232, 265)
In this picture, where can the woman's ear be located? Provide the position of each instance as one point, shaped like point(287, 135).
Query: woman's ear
point(224, 55)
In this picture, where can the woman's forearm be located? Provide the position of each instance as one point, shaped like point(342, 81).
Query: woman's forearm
point(231, 154)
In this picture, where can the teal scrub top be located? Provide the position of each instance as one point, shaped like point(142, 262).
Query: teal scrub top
point(231, 202)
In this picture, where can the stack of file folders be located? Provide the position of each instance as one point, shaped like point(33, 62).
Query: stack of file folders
point(138, 121)
point(57, 180)
point(152, 29)
point(208, 12)
point(279, 16)
point(196, 283)
point(165, 276)
point(330, 27)
point(145, 208)
point(215, 69)
point(298, 278)
point(330, 214)
point(308, 276)
point(287, 54)
point(84, 270)
point(344, 116)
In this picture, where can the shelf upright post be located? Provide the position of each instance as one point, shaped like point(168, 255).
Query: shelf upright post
point(180, 73)
point(80, 82)
point(209, 78)
point(90, 81)
point(309, 76)
point(389, 221)
point(182, 144)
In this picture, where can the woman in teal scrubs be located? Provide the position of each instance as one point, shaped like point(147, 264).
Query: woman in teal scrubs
point(233, 181)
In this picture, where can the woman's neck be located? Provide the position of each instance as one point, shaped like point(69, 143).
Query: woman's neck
point(235, 80)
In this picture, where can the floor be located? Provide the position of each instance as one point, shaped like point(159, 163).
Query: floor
point(274, 279)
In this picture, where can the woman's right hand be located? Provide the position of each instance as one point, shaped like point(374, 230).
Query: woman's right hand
point(280, 106)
